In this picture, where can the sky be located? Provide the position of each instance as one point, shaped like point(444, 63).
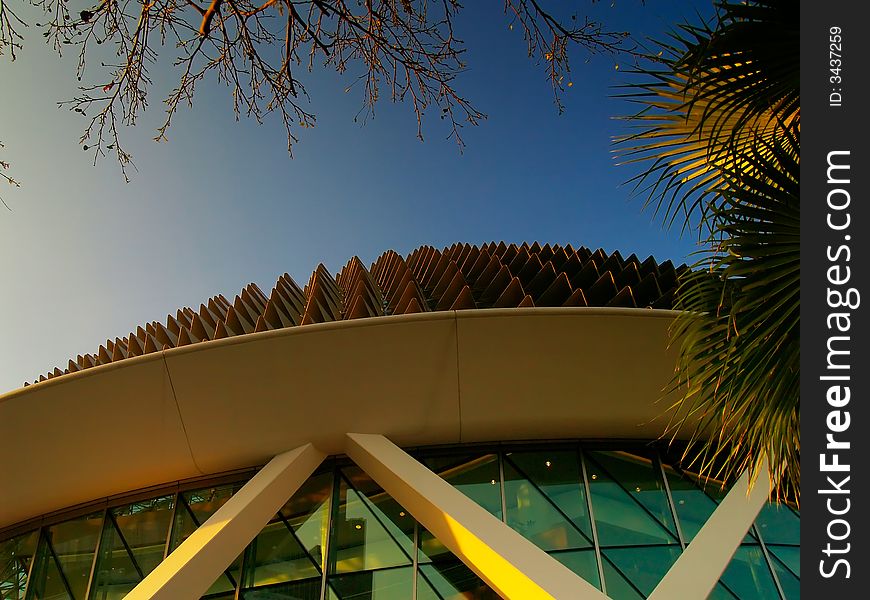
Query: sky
point(85, 256)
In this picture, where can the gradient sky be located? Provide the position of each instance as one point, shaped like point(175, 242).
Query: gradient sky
point(85, 257)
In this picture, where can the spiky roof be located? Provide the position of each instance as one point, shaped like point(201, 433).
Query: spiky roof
point(495, 275)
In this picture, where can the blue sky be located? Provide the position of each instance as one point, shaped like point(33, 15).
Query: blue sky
point(85, 256)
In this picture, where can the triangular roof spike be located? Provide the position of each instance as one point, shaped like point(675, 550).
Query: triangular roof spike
point(413, 307)
point(151, 344)
point(577, 298)
point(512, 295)
point(184, 338)
point(464, 300)
point(527, 303)
point(220, 332)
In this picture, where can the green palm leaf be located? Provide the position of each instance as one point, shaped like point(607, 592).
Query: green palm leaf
point(718, 134)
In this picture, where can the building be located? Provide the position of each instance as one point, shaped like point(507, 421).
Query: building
point(455, 424)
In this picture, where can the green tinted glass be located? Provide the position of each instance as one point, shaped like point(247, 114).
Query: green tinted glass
point(546, 499)
point(643, 566)
point(386, 584)
point(16, 554)
point(116, 573)
point(74, 543)
point(308, 589)
point(778, 524)
point(475, 476)
point(582, 562)
point(47, 580)
point(276, 556)
point(629, 501)
point(788, 581)
point(363, 537)
point(790, 556)
point(145, 526)
point(720, 592)
point(692, 505)
point(290, 547)
point(618, 586)
point(747, 574)
point(307, 512)
point(451, 580)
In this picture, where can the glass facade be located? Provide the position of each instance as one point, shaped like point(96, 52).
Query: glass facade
point(619, 518)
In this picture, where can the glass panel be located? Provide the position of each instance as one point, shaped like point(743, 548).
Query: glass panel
point(47, 582)
point(544, 499)
point(74, 543)
point(363, 536)
point(307, 511)
point(205, 502)
point(693, 506)
point(194, 509)
point(116, 573)
point(398, 521)
point(790, 556)
point(308, 589)
point(431, 548)
point(791, 585)
point(475, 476)
point(277, 556)
point(16, 554)
point(695, 499)
point(618, 587)
point(778, 524)
point(451, 580)
point(644, 567)
point(720, 592)
point(582, 562)
point(628, 500)
point(747, 574)
point(386, 584)
point(145, 527)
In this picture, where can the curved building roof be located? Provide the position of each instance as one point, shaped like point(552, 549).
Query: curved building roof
point(495, 275)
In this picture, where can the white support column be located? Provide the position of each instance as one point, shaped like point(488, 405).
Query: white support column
point(192, 567)
point(508, 562)
point(701, 565)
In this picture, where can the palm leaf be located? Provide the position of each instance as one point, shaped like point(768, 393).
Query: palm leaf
point(718, 135)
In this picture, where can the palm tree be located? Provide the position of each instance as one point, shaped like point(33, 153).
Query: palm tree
point(718, 135)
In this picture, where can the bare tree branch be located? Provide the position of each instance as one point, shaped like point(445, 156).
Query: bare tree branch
point(405, 48)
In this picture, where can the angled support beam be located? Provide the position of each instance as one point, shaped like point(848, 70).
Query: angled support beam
point(200, 559)
point(508, 562)
point(701, 565)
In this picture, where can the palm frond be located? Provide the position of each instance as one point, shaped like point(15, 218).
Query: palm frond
point(718, 137)
point(739, 329)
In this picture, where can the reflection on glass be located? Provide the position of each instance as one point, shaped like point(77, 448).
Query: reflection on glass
point(747, 574)
point(16, 554)
point(451, 580)
point(307, 589)
point(788, 581)
point(386, 584)
point(194, 509)
point(363, 536)
point(475, 476)
point(290, 547)
point(131, 546)
point(618, 587)
point(582, 562)
point(545, 500)
point(643, 566)
point(74, 543)
point(778, 524)
point(693, 505)
point(628, 500)
point(371, 538)
point(789, 556)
